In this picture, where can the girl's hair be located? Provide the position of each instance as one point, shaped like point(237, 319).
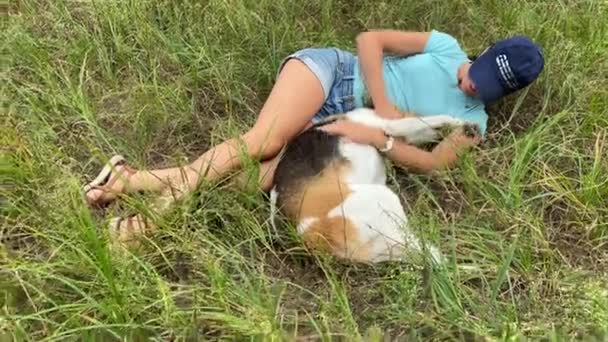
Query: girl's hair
point(472, 58)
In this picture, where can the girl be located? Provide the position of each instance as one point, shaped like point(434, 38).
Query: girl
point(396, 72)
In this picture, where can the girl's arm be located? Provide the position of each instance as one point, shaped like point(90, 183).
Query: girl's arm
point(407, 156)
point(444, 155)
point(370, 48)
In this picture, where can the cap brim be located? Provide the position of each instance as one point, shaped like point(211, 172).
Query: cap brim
point(484, 74)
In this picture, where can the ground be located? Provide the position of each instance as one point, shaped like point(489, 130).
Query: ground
point(523, 218)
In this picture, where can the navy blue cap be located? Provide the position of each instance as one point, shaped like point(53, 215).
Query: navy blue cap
point(507, 66)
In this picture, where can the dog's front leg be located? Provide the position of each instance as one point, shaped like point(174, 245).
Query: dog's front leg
point(415, 129)
point(419, 129)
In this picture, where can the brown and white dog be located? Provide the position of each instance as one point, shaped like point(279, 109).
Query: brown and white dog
point(335, 190)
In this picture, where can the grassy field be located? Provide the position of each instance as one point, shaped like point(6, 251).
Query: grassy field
point(160, 81)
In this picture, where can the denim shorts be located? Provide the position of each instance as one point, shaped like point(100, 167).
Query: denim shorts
point(335, 70)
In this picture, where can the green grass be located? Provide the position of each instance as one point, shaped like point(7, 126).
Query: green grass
point(160, 81)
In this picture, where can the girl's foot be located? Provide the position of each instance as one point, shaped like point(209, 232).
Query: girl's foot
point(110, 182)
point(126, 232)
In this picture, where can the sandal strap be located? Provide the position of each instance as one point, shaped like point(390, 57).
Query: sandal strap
point(119, 174)
point(124, 174)
point(126, 232)
point(107, 179)
point(129, 225)
point(132, 227)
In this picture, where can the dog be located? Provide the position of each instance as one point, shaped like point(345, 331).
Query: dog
point(335, 191)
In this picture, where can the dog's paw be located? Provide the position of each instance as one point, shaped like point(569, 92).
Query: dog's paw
point(446, 129)
point(471, 130)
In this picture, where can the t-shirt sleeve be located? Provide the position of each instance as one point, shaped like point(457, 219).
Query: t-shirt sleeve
point(440, 43)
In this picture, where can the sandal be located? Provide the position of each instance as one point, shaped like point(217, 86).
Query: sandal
point(125, 232)
point(106, 180)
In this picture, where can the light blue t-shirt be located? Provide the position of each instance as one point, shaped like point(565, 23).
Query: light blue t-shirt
point(427, 83)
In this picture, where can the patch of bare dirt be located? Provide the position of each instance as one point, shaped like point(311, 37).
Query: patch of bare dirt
point(502, 119)
point(567, 236)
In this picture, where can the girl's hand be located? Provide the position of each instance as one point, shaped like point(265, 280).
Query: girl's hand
point(463, 140)
point(357, 133)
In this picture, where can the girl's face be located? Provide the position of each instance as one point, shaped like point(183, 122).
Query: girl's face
point(464, 81)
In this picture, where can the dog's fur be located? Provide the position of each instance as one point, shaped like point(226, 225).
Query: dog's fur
point(336, 192)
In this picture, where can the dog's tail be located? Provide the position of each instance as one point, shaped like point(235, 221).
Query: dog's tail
point(436, 255)
point(274, 195)
point(426, 250)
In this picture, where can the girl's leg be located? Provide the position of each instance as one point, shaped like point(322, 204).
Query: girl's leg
point(267, 170)
point(265, 177)
point(295, 98)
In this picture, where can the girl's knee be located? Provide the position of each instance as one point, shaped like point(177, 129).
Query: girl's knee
point(263, 144)
point(267, 174)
